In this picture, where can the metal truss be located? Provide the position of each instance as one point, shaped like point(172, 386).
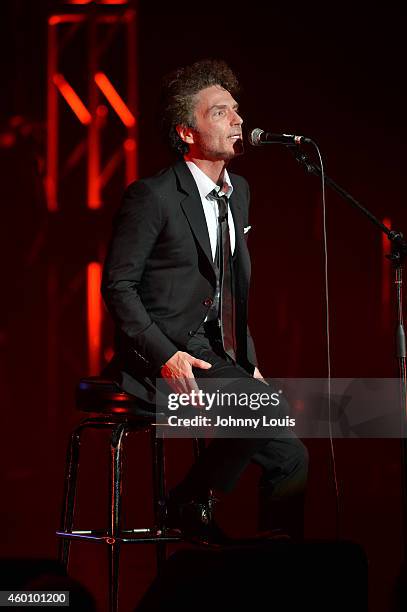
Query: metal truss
point(102, 29)
point(91, 140)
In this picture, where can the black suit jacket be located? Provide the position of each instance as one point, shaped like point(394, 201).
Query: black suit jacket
point(159, 279)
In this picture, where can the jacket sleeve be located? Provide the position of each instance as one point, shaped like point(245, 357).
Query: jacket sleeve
point(251, 351)
point(137, 226)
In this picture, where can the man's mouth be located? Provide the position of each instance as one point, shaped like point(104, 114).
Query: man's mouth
point(236, 137)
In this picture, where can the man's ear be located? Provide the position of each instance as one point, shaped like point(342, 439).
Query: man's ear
point(186, 134)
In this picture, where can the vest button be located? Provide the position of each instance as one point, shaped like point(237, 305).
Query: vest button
point(191, 333)
point(208, 301)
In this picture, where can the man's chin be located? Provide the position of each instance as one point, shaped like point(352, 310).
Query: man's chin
point(227, 154)
point(238, 148)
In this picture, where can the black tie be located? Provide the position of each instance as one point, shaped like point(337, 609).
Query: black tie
point(226, 287)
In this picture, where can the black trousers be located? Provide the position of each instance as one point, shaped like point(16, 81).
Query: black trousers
point(284, 460)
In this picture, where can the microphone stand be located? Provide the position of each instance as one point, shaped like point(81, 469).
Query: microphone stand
point(397, 256)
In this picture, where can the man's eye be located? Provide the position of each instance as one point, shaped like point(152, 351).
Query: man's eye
point(219, 113)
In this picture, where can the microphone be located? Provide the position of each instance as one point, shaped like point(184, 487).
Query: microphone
point(259, 137)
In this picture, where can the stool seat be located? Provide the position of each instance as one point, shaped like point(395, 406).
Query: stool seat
point(101, 395)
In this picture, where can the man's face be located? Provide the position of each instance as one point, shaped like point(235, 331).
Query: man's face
point(218, 127)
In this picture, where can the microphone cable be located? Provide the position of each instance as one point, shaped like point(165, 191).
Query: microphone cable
point(292, 142)
point(328, 344)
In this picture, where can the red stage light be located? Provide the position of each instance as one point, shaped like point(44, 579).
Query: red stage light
point(72, 99)
point(115, 100)
point(102, 111)
point(129, 144)
point(68, 18)
point(95, 313)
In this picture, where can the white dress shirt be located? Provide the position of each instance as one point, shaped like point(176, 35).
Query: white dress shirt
point(210, 207)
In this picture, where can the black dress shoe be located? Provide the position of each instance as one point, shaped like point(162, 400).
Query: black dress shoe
point(195, 521)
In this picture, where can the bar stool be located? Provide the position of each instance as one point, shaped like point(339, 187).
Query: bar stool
point(115, 411)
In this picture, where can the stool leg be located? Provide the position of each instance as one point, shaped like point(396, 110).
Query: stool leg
point(115, 483)
point(71, 472)
point(159, 495)
point(113, 553)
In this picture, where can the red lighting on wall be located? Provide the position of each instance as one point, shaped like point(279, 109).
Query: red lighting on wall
point(95, 313)
point(115, 100)
point(386, 275)
point(7, 140)
point(72, 99)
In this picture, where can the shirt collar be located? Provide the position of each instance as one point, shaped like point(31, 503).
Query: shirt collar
point(206, 185)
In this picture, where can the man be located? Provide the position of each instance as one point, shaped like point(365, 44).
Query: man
point(176, 282)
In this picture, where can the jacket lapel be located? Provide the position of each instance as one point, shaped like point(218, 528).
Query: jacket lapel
point(192, 207)
point(241, 252)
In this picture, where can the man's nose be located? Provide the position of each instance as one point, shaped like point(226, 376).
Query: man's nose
point(236, 118)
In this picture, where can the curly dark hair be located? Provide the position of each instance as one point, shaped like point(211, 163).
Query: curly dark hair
point(179, 89)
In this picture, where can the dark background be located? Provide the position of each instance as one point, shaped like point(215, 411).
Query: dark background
point(333, 71)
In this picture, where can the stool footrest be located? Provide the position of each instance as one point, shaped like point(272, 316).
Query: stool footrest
point(126, 536)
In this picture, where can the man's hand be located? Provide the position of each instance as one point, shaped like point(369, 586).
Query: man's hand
point(178, 371)
point(257, 374)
